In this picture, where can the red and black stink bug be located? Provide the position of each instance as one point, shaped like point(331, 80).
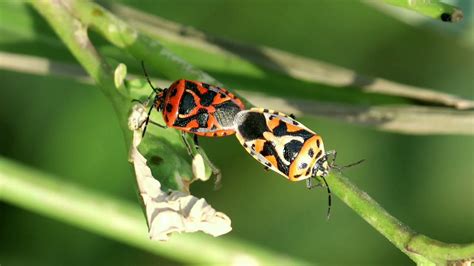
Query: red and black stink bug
point(284, 145)
point(196, 107)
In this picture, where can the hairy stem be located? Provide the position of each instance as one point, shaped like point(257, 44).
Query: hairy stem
point(419, 248)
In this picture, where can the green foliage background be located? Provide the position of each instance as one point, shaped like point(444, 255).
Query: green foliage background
point(69, 129)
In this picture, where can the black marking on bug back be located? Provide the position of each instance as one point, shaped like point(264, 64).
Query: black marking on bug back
point(186, 104)
point(269, 150)
point(182, 122)
point(311, 152)
point(173, 91)
point(282, 130)
point(253, 126)
point(189, 85)
point(169, 107)
point(205, 85)
point(318, 142)
point(291, 150)
point(225, 113)
point(207, 98)
point(319, 153)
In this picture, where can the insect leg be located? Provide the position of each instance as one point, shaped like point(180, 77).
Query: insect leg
point(310, 185)
point(188, 147)
point(147, 120)
point(215, 171)
point(329, 197)
point(334, 154)
point(157, 124)
point(196, 142)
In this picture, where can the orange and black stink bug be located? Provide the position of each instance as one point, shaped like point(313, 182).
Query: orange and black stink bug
point(284, 145)
point(196, 107)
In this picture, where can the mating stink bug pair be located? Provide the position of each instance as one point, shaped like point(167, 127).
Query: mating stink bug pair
point(276, 140)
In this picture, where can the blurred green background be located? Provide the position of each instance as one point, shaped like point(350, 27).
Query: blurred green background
point(69, 129)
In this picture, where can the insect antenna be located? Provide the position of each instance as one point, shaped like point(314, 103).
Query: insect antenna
point(155, 90)
point(340, 168)
point(329, 197)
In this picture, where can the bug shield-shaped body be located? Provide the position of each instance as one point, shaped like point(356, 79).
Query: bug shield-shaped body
point(281, 144)
point(198, 108)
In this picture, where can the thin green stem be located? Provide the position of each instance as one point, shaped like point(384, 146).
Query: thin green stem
point(184, 37)
point(119, 220)
point(419, 248)
point(71, 20)
point(431, 8)
point(74, 35)
point(140, 46)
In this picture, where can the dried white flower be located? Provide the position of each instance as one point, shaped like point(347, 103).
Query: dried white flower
point(176, 211)
point(137, 118)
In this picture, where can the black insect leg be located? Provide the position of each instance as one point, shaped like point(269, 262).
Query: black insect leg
point(157, 124)
point(309, 185)
point(329, 197)
point(215, 171)
point(196, 142)
point(147, 120)
point(188, 146)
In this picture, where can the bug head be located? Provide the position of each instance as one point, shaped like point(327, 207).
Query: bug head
point(159, 99)
point(322, 165)
point(321, 169)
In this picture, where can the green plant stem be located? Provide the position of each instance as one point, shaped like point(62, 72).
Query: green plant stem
point(140, 46)
point(432, 8)
point(409, 119)
point(74, 35)
point(419, 248)
point(183, 37)
point(119, 220)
